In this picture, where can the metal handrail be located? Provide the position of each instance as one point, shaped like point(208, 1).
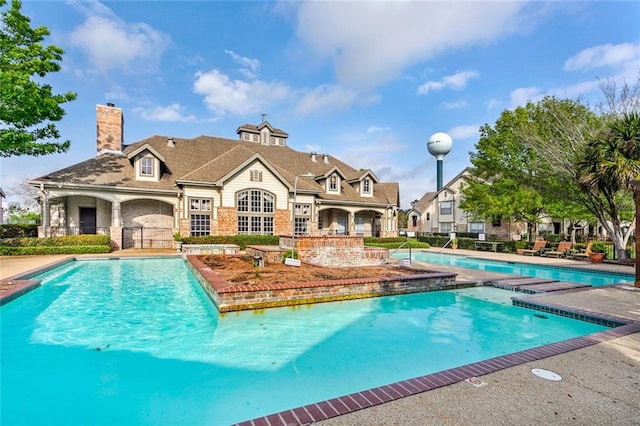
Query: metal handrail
point(398, 248)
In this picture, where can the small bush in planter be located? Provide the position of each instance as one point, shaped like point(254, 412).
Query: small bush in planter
point(598, 247)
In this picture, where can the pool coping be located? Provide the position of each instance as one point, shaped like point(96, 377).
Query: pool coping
point(368, 398)
point(579, 266)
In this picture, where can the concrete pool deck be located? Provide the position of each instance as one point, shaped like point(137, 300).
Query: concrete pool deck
point(600, 383)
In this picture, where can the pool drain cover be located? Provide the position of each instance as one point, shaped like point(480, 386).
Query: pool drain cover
point(546, 374)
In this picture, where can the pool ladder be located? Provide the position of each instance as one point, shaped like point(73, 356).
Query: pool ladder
point(404, 261)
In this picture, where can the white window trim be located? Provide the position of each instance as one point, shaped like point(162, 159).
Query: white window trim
point(366, 193)
point(337, 189)
point(155, 168)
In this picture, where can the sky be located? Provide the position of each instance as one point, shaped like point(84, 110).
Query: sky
point(365, 81)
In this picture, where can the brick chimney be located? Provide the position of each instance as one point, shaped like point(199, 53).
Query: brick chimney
point(109, 128)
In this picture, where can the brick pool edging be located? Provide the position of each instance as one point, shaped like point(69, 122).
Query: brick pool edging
point(229, 297)
point(338, 406)
point(22, 284)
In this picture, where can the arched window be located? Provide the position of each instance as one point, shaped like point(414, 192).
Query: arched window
point(255, 212)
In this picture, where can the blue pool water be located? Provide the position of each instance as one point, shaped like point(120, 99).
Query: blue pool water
point(525, 269)
point(138, 342)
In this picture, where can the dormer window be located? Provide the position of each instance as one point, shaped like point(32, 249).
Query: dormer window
point(146, 166)
point(366, 186)
point(333, 183)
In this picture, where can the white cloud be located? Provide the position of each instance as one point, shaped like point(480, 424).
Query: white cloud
point(250, 67)
point(455, 81)
point(111, 43)
point(520, 96)
point(575, 90)
point(454, 105)
point(326, 97)
point(493, 103)
point(605, 55)
point(117, 93)
point(464, 132)
point(170, 113)
point(371, 43)
point(223, 95)
point(375, 129)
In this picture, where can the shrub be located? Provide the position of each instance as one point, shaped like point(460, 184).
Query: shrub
point(393, 243)
point(40, 250)
point(72, 244)
point(70, 240)
point(240, 240)
point(15, 231)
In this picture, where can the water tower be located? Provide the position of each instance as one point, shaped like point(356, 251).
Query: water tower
point(439, 145)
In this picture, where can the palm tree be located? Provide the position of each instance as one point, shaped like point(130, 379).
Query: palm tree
point(610, 161)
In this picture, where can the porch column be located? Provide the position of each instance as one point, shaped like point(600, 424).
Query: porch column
point(352, 224)
point(44, 205)
point(116, 219)
point(115, 231)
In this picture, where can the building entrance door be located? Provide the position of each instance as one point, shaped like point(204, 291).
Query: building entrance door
point(87, 220)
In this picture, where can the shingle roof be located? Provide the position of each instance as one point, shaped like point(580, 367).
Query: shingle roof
point(209, 159)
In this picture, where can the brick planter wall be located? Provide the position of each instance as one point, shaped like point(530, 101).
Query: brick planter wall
point(230, 297)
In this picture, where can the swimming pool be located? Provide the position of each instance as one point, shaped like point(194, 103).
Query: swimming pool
point(138, 342)
point(525, 269)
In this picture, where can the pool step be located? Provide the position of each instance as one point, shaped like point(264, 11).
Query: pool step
point(552, 286)
point(514, 284)
point(535, 285)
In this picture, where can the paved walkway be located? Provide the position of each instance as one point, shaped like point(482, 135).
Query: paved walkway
point(600, 384)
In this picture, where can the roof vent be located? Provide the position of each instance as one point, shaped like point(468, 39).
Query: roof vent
point(171, 143)
point(313, 157)
point(325, 158)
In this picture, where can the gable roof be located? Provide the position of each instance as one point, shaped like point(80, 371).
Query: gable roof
point(361, 174)
point(252, 128)
point(210, 160)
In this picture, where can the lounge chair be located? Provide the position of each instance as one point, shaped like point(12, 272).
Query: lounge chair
point(561, 251)
point(583, 255)
point(537, 248)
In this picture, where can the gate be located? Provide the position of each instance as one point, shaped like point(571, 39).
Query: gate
point(145, 237)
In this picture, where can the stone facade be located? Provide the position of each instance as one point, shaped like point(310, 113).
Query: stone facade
point(335, 250)
point(109, 128)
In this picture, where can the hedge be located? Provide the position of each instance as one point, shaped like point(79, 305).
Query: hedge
point(66, 241)
point(72, 244)
point(463, 243)
point(240, 240)
point(15, 231)
point(35, 250)
point(394, 242)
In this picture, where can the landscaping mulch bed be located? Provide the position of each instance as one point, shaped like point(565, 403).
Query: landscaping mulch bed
point(241, 269)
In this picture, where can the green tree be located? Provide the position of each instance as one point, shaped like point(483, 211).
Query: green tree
point(20, 215)
point(403, 218)
point(504, 181)
point(28, 108)
point(610, 161)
